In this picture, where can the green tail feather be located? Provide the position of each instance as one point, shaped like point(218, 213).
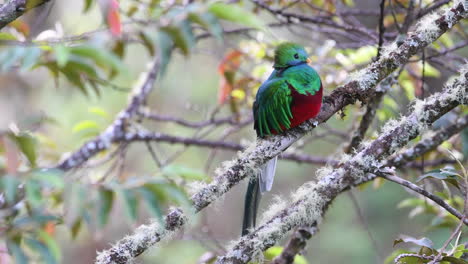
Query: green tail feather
point(252, 199)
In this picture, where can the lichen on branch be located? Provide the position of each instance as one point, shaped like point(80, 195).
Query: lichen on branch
point(13, 9)
point(311, 200)
point(360, 87)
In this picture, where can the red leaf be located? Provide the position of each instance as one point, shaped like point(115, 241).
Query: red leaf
point(227, 69)
point(113, 18)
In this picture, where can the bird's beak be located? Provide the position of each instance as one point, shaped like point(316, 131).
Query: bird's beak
point(308, 60)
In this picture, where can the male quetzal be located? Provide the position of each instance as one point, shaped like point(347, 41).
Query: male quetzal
point(291, 95)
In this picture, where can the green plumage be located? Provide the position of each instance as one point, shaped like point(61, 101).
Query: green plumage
point(291, 95)
point(272, 107)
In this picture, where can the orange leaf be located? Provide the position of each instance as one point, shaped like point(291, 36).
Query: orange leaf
point(49, 228)
point(227, 69)
point(21, 26)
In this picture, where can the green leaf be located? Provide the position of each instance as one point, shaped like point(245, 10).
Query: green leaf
point(85, 125)
point(74, 78)
point(6, 36)
point(106, 199)
point(131, 203)
point(42, 249)
point(273, 252)
point(33, 193)
point(18, 254)
point(27, 144)
point(431, 71)
point(147, 42)
point(102, 57)
point(411, 202)
point(151, 200)
point(62, 54)
point(178, 37)
point(409, 88)
point(76, 199)
point(51, 177)
point(34, 221)
point(209, 22)
point(447, 174)
point(80, 66)
point(119, 49)
point(176, 194)
point(51, 244)
point(459, 250)
point(236, 14)
point(75, 228)
point(362, 55)
point(424, 242)
point(10, 186)
point(454, 260)
point(184, 172)
point(98, 111)
point(165, 44)
point(87, 6)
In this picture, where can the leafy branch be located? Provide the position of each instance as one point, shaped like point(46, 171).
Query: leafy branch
point(360, 87)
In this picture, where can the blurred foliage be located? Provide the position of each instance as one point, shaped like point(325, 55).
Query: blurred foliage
point(37, 204)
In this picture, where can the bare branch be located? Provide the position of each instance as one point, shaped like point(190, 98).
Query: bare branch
point(381, 27)
point(298, 18)
point(226, 145)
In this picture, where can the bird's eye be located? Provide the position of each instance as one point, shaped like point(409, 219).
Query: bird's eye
point(296, 56)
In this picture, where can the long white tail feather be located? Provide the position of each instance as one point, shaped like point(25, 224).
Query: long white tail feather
point(267, 175)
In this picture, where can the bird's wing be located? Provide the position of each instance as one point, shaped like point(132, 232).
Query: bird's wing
point(272, 107)
point(304, 79)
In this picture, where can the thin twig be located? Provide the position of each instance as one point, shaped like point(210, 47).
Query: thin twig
point(434, 198)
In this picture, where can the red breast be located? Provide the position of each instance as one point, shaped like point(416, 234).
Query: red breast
point(305, 107)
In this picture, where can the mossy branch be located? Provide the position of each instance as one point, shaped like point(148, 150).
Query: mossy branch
point(298, 240)
point(360, 87)
point(311, 201)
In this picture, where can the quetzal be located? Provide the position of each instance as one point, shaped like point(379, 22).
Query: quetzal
point(291, 95)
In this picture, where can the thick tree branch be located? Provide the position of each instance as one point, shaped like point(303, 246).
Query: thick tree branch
point(311, 201)
point(428, 143)
point(13, 9)
point(360, 87)
point(295, 245)
point(297, 241)
point(368, 117)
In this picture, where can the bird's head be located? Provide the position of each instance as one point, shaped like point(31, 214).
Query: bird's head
point(289, 54)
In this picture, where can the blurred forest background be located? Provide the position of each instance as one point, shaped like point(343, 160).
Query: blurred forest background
point(67, 68)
